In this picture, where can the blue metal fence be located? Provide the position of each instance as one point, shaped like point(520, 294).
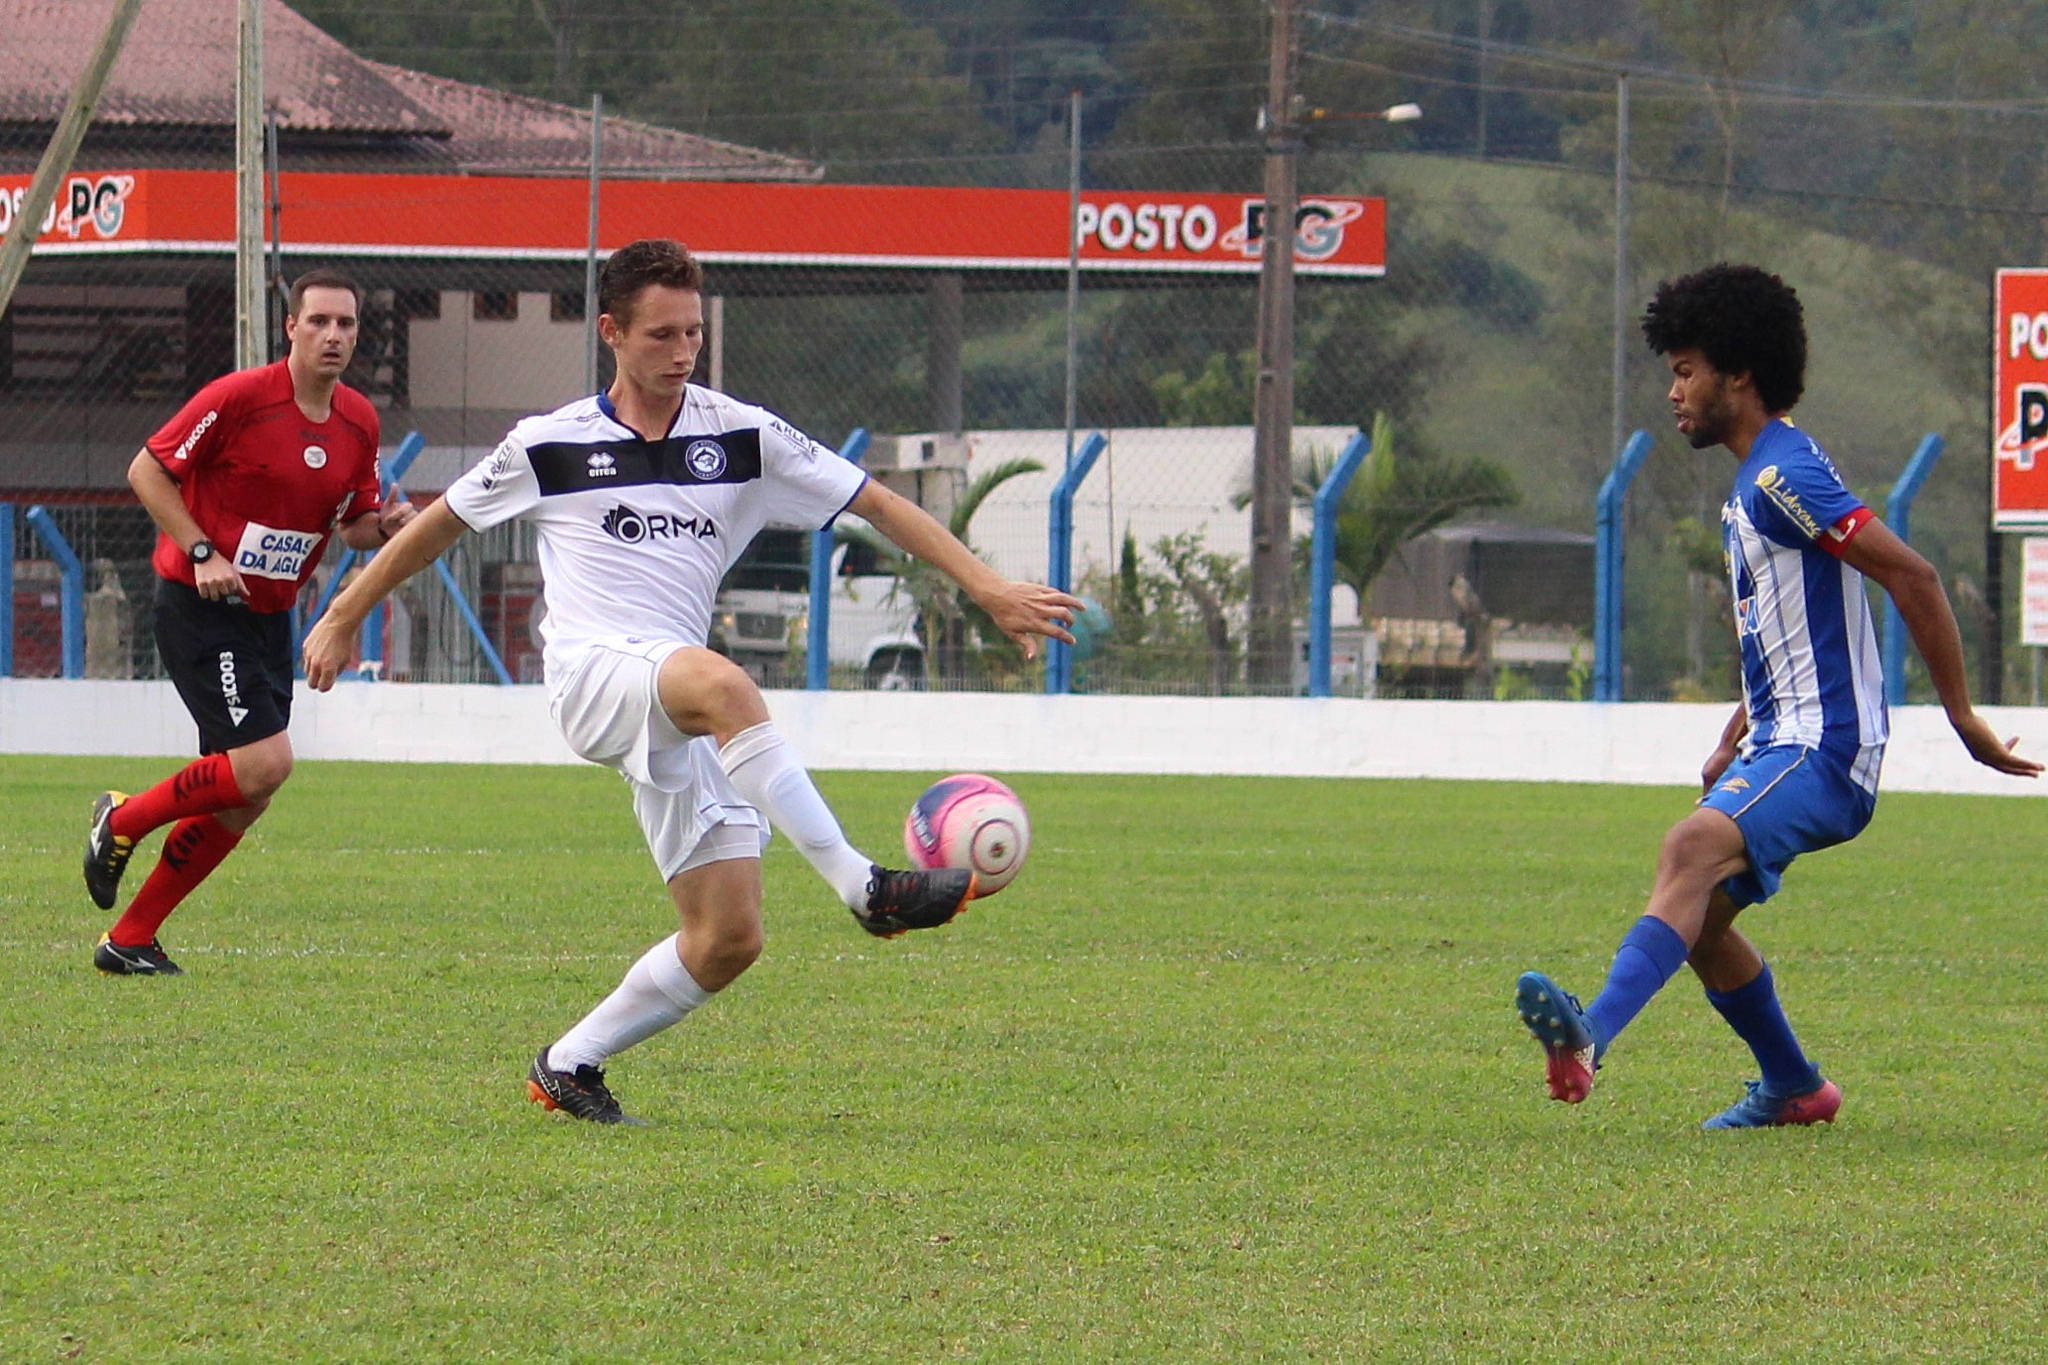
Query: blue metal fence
point(1323, 560)
point(1607, 567)
point(1059, 564)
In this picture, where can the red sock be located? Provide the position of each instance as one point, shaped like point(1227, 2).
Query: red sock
point(191, 851)
point(201, 787)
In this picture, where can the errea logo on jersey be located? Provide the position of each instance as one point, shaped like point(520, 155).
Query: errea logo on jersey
point(602, 465)
point(630, 527)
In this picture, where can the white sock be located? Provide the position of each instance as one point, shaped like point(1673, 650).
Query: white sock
point(765, 770)
point(657, 992)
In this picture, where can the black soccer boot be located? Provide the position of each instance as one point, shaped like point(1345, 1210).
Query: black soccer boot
point(901, 901)
point(149, 959)
point(106, 853)
point(580, 1093)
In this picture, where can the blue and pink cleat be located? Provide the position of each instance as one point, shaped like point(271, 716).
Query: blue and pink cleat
point(1555, 1020)
point(1762, 1107)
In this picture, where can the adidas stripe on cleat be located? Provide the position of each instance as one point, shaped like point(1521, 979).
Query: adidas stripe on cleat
point(1553, 1017)
point(148, 959)
point(580, 1094)
point(1761, 1107)
point(106, 853)
point(898, 902)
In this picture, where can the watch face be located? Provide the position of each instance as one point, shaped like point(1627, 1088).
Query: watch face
point(200, 553)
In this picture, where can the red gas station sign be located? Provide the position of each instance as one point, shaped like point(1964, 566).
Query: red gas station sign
point(898, 226)
point(2019, 403)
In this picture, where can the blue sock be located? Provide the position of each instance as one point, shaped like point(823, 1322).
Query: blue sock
point(1755, 1015)
point(1650, 954)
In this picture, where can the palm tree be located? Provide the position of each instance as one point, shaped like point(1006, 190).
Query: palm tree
point(1394, 498)
point(952, 624)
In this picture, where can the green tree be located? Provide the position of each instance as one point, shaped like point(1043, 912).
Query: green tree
point(1173, 627)
point(956, 631)
point(1395, 497)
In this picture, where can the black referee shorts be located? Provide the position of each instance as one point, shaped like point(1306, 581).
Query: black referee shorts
point(232, 666)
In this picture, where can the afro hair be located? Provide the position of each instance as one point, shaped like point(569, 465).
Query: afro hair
point(1743, 319)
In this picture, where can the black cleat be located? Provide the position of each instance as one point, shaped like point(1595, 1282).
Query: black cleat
point(902, 901)
point(117, 959)
point(580, 1093)
point(106, 853)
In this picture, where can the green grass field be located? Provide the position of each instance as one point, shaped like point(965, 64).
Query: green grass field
point(1230, 1074)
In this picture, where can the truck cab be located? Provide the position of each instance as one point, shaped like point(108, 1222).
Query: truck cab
point(762, 616)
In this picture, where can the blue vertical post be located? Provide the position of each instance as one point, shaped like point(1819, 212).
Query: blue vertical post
point(1322, 578)
point(1607, 565)
point(1898, 514)
point(70, 590)
point(6, 589)
point(818, 637)
point(372, 638)
point(1059, 563)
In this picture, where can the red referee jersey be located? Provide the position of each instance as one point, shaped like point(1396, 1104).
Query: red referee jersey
point(266, 485)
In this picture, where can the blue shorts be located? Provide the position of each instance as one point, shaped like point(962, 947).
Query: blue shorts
point(1786, 800)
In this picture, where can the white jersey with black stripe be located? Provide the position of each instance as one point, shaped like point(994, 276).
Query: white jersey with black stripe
point(636, 535)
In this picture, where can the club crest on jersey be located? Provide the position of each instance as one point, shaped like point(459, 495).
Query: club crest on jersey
point(706, 459)
point(630, 526)
point(316, 457)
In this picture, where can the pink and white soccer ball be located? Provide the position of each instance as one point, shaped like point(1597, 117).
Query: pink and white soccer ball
point(969, 820)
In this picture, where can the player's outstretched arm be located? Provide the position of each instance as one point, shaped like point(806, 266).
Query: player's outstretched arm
point(1915, 588)
point(1727, 750)
point(1022, 611)
point(330, 642)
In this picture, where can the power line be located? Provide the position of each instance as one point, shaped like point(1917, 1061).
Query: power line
point(1496, 50)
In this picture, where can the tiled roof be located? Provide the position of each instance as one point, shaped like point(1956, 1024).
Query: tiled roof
point(515, 134)
point(178, 67)
point(177, 71)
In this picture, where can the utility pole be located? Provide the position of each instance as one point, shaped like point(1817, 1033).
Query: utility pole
point(1270, 638)
point(63, 146)
point(252, 311)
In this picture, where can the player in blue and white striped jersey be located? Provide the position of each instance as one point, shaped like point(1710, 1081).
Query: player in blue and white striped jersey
point(1797, 765)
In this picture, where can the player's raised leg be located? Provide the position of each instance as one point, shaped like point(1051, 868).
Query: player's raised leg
point(705, 693)
point(1699, 853)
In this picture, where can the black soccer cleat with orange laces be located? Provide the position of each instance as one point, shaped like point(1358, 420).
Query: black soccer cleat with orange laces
point(106, 853)
point(148, 959)
point(580, 1094)
point(901, 901)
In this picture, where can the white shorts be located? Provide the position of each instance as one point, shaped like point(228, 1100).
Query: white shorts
point(608, 708)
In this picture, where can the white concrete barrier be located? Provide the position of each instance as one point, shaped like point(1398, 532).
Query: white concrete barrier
point(1635, 742)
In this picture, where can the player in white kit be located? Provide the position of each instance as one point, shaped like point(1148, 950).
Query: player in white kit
point(643, 496)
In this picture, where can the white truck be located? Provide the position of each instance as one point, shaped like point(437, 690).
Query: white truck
point(762, 616)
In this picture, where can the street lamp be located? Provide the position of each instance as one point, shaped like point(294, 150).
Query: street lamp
point(1270, 637)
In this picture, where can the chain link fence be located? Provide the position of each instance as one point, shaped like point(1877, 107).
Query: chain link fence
point(1483, 362)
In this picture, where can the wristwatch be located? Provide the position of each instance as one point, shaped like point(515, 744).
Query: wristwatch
point(201, 551)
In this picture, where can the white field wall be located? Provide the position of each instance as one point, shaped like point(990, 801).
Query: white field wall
point(1640, 743)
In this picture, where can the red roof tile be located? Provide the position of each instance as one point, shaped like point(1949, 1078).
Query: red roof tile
point(177, 70)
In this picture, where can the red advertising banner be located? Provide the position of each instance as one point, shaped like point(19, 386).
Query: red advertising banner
point(2034, 591)
point(722, 222)
point(2019, 401)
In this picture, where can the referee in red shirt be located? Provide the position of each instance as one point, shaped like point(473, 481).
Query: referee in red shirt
point(245, 485)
